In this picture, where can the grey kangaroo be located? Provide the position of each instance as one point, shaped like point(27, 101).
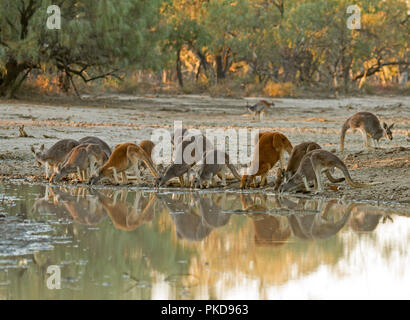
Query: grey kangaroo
point(181, 164)
point(215, 162)
point(310, 169)
point(369, 125)
point(55, 155)
point(95, 140)
point(296, 157)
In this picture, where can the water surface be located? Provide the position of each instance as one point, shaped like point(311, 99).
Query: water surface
point(120, 244)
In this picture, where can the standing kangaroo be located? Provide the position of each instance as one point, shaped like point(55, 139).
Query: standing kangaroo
point(55, 155)
point(368, 124)
point(124, 157)
point(214, 163)
point(270, 149)
point(260, 107)
point(310, 169)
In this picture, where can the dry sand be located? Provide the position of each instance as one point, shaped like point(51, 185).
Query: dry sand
point(120, 118)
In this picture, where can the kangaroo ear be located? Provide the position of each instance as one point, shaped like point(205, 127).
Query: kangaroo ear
point(384, 125)
point(42, 147)
point(391, 126)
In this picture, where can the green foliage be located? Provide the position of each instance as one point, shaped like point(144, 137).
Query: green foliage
point(298, 41)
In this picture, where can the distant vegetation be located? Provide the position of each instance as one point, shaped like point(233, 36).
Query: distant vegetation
point(271, 47)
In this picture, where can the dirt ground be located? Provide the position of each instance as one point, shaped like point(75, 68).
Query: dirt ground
point(121, 118)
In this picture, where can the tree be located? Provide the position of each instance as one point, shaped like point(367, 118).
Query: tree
point(97, 39)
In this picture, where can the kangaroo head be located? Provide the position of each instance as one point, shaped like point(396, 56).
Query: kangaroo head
point(195, 182)
point(295, 183)
point(160, 181)
point(286, 175)
point(387, 131)
point(38, 155)
point(94, 180)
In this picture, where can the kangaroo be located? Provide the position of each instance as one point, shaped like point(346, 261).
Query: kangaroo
point(181, 164)
point(296, 157)
point(104, 146)
point(124, 157)
point(147, 146)
point(260, 107)
point(55, 155)
point(214, 163)
point(310, 169)
point(82, 160)
point(368, 124)
point(269, 150)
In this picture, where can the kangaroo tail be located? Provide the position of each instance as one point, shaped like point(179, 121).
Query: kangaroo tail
point(234, 172)
point(349, 178)
point(333, 180)
point(345, 127)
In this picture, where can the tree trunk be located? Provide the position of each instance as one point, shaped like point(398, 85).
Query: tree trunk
point(220, 70)
point(13, 78)
point(178, 68)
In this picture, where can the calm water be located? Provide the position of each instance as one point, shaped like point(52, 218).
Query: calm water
point(112, 244)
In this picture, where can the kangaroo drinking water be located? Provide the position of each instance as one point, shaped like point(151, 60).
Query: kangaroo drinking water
point(270, 149)
point(296, 157)
point(215, 162)
point(313, 164)
point(185, 157)
point(124, 157)
point(95, 140)
point(368, 124)
point(82, 160)
point(55, 155)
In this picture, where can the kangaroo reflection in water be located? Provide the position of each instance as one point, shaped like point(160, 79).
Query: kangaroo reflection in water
point(366, 219)
point(321, 225)
point(270, 230)
point(274, 219)
point(90, 207)
point(126, 215)
point(73, 203)
point(194, 220)
point(311, 220)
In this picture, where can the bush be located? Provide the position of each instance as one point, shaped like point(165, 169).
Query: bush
point(276, 89)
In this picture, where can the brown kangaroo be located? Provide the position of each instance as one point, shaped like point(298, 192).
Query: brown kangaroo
point(269, 150)
point(124, 157)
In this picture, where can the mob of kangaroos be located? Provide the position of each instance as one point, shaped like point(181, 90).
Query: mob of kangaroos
point(90, 159)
